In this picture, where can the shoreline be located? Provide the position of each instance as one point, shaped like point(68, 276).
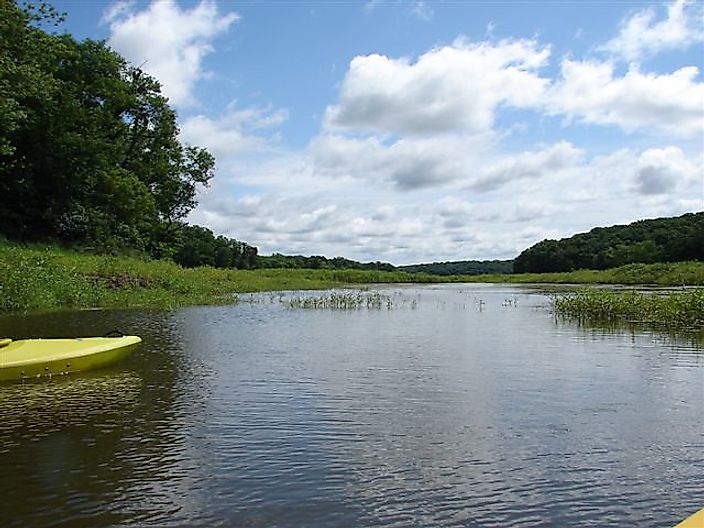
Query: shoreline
point(33, 280)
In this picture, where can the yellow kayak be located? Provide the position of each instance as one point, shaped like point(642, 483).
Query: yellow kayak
point(695, 521)
point(37, 358)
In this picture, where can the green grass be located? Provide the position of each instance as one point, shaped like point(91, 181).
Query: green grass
point(46, 279)
point(681, 309)
point(34, 278)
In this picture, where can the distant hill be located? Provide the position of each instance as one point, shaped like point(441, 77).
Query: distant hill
point(461, 267)
point(277, 260)
point(658, 240)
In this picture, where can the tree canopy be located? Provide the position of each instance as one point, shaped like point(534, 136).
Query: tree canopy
point(89, 147)
point(461, 267)
point(658, 240)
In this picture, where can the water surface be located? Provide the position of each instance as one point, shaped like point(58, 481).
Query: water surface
point(462, 405)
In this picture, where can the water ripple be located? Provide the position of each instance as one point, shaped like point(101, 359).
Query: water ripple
point(440, 414)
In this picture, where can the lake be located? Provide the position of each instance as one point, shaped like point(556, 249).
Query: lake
point(445, 405)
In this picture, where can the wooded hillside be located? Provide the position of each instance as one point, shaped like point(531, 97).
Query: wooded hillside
point(461, 267)
point(658, 240)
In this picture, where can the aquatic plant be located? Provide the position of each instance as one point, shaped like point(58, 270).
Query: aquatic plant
point(681, 308)
point(342, 301)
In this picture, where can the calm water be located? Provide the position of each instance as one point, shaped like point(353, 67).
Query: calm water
point(460, 406)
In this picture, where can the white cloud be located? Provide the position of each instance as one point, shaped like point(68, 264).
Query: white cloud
point(348, 204)
point(424, 163)
point(234, 132)
point(410, 165)
point(589, 91)
point(453, 88)
point(662, 170)
point(531, 164)
point(168, 42)
point(642, 35)
point(407, 164)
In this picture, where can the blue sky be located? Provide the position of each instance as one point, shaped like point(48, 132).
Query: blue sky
point(411, 131)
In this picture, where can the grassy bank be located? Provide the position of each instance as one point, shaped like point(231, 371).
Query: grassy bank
point(663, 274)
point(681, 309)
point(45, 279)
point(50, 278)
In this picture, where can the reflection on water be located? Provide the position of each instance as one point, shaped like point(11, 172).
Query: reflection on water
point(460, 406)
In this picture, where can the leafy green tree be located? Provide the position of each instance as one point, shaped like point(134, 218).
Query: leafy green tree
point(89, 148)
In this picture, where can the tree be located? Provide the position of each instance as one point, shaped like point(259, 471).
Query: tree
point(89, 148)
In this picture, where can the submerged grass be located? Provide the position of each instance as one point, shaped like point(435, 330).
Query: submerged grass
point(342, 301)
point(681, 309)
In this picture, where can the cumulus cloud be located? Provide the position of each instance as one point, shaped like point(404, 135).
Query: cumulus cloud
point(408, 164)
point(531, 164)
point(234, 132)
point(455, 226)
point(168, 41)
point(551, 191)
point(452, 88)
point(642, 34)
point(589, 91)
point(435, 162)
point(662, 170)
point(459, 89)
point(411, 166)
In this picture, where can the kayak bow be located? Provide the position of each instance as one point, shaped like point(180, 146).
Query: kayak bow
point(37, 358)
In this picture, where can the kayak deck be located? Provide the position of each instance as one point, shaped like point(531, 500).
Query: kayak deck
point(36, 358)
point(696, 520)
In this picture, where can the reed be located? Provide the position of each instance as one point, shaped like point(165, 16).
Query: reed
point(342, 301)
point(681, 309)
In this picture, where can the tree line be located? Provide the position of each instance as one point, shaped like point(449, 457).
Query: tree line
point(278, 260)
point(674, 239)
point(461, 267)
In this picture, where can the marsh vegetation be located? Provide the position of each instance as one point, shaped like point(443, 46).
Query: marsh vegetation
point(682, 309)
point(49, 278)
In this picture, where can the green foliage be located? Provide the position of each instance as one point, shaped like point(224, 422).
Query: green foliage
point(462, 267)
point(49, 278)
point(198, 246)
point(89, 148)
point(646, 241)
point(661, 274)
point(682, 309)
point(278, 260)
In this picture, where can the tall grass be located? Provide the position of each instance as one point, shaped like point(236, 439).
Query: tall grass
point(677, 309)
point(50, 278)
